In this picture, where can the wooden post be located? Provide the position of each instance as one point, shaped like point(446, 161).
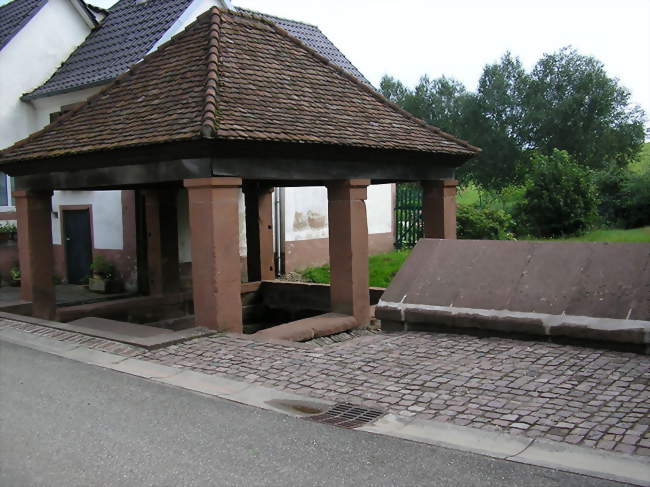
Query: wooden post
point(162, 240)
point(259, 233)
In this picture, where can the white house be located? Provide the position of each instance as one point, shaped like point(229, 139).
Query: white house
point(74, 50)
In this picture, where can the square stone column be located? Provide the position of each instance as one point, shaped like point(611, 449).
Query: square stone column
point(259, 232)
point(348, 246)
point(33, 212)
point(214, 226)
point(162, 240)
point(439, 208)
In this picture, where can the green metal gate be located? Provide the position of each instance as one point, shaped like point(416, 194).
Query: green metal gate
point(408, 215)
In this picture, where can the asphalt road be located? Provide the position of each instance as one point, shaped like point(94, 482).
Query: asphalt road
point(64, 423)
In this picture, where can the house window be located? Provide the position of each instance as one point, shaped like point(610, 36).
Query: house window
point(6, 188)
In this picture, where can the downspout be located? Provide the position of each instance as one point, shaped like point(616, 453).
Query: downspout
point(278, 230)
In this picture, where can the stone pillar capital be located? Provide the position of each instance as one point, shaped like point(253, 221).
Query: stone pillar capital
point(348, 189)
point(217, 182)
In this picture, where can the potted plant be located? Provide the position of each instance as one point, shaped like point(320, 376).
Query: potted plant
point(102, 279)
point(14, 273)
point(7, 232)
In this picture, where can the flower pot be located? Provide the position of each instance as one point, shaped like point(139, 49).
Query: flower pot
point(106, 286)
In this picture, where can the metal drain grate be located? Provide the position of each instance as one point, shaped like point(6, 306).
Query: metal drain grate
point(346, 415)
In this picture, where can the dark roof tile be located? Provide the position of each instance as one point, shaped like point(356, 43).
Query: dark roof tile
point(127, 33)
point(14, 16)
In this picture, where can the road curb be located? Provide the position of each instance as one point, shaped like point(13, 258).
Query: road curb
point(544, 453)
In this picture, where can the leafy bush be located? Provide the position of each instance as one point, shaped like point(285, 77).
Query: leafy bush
point(473, 222)
point(8, 228)
point(635, 211)
point(561, 197)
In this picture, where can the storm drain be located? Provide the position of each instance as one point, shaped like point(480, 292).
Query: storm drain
point(346, 415)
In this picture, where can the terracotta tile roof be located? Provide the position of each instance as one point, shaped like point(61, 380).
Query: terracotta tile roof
point(314, 38)
point(233, 76)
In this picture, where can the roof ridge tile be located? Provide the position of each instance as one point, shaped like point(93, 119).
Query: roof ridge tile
point(209, 119)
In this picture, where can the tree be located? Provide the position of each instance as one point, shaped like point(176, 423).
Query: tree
point(560, 199)
point(571, 104)
point(439, 102)
point(494, 123)
point(566, 102)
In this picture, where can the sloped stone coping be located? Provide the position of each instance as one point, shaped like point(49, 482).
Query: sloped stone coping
point(309, 328)
point(421, 317)
point(144, 336)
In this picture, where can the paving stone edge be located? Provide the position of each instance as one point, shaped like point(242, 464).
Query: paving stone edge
point(545, 453)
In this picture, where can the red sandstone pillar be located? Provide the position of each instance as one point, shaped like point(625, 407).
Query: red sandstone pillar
point(259, 233)
point(35, 251)
point(214, 226)
point(439, 208)
point(162, 240)
point(348, 246)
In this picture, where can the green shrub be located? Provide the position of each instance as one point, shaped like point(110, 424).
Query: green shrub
point(610, 183)
point(635, 211)
point(473, 222)
point(561, 197)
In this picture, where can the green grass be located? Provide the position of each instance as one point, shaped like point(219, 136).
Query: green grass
point(468, 195)
point(613, 235)
point(382, 269)
point(505, 199)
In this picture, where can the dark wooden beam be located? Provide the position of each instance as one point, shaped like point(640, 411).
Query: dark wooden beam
point(120, 177)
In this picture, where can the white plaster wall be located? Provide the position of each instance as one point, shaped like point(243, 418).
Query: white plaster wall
point(45, 106)
point(106, 216)
point(380, 208)
point(306, 211)
point(29, 60)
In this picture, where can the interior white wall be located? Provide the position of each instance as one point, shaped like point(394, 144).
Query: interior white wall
point(380, 208)
point(106, 216)
point(30, 58)
point(306, 211)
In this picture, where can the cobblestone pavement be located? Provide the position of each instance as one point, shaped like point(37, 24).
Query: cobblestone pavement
point(565, 393)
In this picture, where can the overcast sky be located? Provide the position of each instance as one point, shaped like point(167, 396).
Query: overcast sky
point(457, 38)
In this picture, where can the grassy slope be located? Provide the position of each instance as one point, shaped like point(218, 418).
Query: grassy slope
point(384, 266)
point(382, 269)
point(614, 235)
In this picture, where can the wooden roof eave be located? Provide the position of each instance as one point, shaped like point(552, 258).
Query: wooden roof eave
point(286, 163)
